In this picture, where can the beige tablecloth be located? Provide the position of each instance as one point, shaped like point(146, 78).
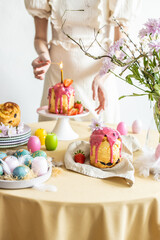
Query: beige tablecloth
point(83, 208)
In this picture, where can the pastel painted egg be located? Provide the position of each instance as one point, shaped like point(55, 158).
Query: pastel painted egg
point(26, 160)
point(1, 170)
point(21, 152)
point(122, 129)
point(2, 155)
point(20, 172)
point(12, 162)
point(157, 151)
point(34, 144)
point(136, 126)
point(39, 153)
point(39, 166)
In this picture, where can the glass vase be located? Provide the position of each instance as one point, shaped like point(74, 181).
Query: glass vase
point(156, 112)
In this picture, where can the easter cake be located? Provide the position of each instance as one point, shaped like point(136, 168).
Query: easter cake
point(61, 97)
point(105, 147)
point(10, 114)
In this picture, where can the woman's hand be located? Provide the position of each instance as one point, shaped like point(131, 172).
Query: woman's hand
point(98, 92)
point(41, 65)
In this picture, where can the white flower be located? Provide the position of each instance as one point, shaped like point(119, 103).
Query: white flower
point(156, 69)
point(20, 128)
point(11, 131)
point(96, 124)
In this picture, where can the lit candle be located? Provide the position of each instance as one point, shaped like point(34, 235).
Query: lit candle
point(61, 67)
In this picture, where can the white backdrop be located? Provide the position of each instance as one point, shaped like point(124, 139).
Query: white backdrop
point(17, 82)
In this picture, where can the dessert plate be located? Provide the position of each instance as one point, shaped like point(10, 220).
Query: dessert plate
point(17, 184)
point(62, 128)
point(10, 140)
point(14, 145)
point(16, 140)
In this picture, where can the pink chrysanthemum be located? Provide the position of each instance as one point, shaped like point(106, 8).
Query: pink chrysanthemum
point(152, 27)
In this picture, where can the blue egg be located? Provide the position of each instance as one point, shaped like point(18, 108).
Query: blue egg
point(20, 172)
point(28, 160)
point(21, 152)
point(39, 153)
point(2, 155)
point(1, 170)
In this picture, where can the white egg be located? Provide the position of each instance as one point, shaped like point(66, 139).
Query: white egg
point(12, 162)
point(39, 166)
point(136, 126)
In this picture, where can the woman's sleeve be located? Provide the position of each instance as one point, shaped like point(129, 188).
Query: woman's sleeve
point(39, 8)
point(124, 11)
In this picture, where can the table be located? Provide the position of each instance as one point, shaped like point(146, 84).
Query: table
point(83, 208)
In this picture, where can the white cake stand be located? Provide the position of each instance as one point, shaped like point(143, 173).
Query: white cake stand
point(63, 128)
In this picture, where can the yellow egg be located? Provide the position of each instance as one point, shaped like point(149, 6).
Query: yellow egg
point(41, 133)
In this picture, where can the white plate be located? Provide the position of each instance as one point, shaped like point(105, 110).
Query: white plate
point(17, 184)
point(14, 142)
point(14, 145)
point(10, 140)
point(44, 111)
point(26, 131)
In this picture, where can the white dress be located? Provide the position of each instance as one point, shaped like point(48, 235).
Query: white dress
point(96, 14)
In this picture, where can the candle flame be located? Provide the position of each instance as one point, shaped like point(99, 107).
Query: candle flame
point(61, 65)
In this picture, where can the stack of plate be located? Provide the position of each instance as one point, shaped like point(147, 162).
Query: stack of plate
point(16, 140)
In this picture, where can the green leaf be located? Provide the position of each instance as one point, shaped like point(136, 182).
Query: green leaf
point(132, 95)
point(157, 89)
point(128, 79)
point(145, 62)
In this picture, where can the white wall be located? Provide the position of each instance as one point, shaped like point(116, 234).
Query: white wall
point(17, 82)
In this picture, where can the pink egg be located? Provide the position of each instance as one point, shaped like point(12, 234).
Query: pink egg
point(122, 129)
point(12, 162)
point(157, 151)
point(39, 166)
point(136, 126)
point(34, 144)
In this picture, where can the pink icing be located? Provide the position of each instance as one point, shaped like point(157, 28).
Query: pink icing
point(97, 137)
point(60, 90)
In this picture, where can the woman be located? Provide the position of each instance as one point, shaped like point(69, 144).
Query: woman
point(79, 20)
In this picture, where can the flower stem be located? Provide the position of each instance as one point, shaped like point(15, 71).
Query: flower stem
point(125, 81)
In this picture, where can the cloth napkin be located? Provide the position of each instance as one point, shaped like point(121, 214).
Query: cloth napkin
point(124, 169)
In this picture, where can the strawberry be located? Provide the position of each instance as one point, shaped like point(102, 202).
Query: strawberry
point(79, 156)
point(67, 82)
point(79, 106)
point(73, 111)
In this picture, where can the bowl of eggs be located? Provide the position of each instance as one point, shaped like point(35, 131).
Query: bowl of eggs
point(24, 169)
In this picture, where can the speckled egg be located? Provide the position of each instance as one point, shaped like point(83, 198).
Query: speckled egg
point(122, 129)
point(39, 153)
point(1, 170)
point(136, 126)
point(21, 152)
point(26, 160)
point(2, 155)
point(12, 162)
point(20, 172)
point(39, 166)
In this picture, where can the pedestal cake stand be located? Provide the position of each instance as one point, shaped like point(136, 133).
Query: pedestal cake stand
point(62, 128)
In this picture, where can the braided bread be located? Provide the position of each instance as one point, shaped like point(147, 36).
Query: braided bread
point(10, 114)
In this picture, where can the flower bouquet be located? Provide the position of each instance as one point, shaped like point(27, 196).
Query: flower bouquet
point(139, 63)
